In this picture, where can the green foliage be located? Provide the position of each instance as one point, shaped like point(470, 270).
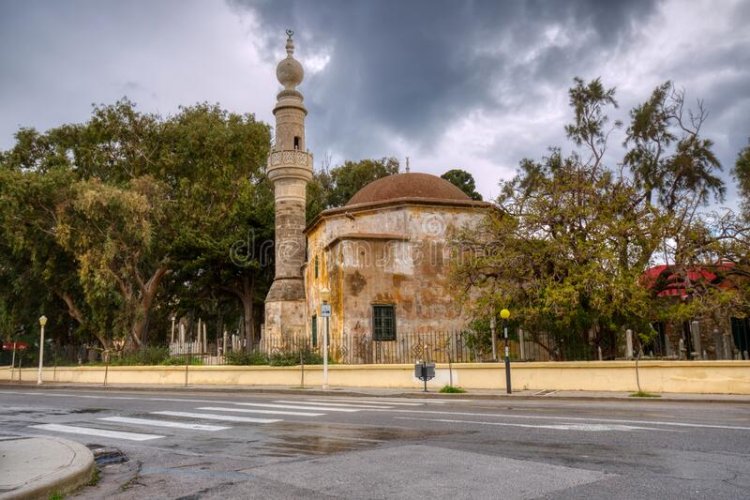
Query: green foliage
point(287, 358)
point(96, 476)
point(144, 356)
point(644, 394)
point(335, 187)
point(293, 358)
point(464, 181)
point(741, 173)
point(246, 358)
point(449, 389)
point(94, 217)
point(567, 249)
point(182, 360)
point(478, 337)
point(667, 154)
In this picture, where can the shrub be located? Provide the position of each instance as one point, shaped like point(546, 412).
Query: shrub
point(146, 355)
point(246, 358)
point(181, 360)
point(452, 390)
point(293, 358)
point(644, 394)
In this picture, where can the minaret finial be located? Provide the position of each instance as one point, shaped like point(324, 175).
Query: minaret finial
point(289, 71)
point(289, 43)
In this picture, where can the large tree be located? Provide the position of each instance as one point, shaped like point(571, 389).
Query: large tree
point(138, 190)
point(741, 173)
point(464, 181)
point(567, 249)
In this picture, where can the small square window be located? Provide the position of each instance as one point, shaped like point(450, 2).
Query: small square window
point(383, 322)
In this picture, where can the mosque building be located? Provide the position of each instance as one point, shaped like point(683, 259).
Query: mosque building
point(381, 261)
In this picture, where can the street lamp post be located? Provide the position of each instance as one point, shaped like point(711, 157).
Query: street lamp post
point(325, 295)
point(505, 314)
point(493, 326)
point(42, 322)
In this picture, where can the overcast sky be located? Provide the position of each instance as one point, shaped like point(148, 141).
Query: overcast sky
point(474, 85)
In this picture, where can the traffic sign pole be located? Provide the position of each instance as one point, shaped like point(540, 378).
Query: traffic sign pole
point(325, 311)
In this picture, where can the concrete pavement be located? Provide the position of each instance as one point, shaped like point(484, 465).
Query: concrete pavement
point(36, 467)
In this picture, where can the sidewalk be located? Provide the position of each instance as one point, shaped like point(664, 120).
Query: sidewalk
point(37, 467)
point(316, 390)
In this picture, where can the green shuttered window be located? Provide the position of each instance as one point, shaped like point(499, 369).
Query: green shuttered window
point(384, 322)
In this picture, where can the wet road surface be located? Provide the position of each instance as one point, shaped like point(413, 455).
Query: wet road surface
point(223, 445)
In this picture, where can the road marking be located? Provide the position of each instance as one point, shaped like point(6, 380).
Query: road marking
point(165, 423)
point(211, 416)
point(366, 401)
point(346, 405)
point(544, 392)
point(578, 419)
point(267, 412)
point(89, 431)
point(296, 407)
point(557, 427)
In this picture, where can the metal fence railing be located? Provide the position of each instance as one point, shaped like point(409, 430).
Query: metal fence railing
point(406, 348)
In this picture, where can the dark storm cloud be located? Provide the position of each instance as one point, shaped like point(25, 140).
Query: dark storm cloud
point(469, 84)
point(410, 68)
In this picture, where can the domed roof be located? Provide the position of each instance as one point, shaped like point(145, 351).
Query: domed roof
point(409, 185)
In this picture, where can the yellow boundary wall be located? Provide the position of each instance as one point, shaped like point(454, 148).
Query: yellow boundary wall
point(707, 377)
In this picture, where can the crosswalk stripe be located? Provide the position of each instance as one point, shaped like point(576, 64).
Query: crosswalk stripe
point(211, 416)
point(365, 401)
point(90, 431)
point(165, 423)
point(265, 412)
point(296, 407)
point(346, 405)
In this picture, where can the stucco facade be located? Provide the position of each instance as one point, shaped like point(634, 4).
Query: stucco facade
point(392, 252)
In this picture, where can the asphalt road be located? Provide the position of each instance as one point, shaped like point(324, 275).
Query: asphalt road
point(227, 445)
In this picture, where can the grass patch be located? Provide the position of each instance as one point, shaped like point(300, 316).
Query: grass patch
point(644, 394)
point(56, 496)
point(95, 477)
point(449, 389)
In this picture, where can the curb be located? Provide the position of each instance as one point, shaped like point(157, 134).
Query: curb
point(75, 469)
point(353, 392)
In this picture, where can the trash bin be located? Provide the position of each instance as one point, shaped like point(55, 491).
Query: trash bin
point(424, 372)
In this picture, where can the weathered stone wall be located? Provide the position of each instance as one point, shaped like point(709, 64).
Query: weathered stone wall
point(397, 255)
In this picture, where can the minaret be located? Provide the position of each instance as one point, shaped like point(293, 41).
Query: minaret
point(290, 168)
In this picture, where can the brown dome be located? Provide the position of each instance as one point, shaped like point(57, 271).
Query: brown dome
point(410, 185)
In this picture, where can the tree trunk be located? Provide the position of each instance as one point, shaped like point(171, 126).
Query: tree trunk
point(247, 296)
point(148, 292)
point(77, 315)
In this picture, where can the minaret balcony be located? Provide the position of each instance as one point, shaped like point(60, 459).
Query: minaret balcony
point(290, 163)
